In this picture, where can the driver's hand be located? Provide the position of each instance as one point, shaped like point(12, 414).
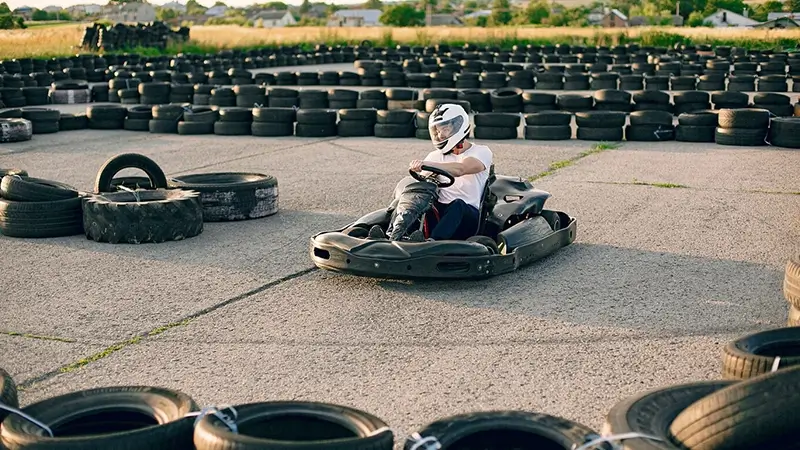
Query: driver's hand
point(416, 165)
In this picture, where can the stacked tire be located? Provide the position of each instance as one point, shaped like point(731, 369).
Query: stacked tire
point(600, 125)
point(697, 126)
point(138, 118)
point(38, 208)
point(777, 104)
point(43, 120)
point(232, 196)
point(421, 122)
point(250, 96)
point(165, 119)
point(273, 122)
point(651, 101)
point(106, 117)
point(397, 123)
point(742, 127)
point(548, 126)
point(70, 122)
point(198, 120)
point(650, 126)
point(612, 100)
point(234, 121)
point(689, 101)
point(497, 125)
point(315, 123)
point(356, 122)
point(785, 132)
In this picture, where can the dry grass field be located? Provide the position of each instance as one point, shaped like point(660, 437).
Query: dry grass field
point(62, 40)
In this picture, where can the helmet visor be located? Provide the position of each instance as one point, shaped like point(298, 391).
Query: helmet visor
point(442, 131)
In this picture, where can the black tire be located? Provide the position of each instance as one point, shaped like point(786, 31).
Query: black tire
point(41, 114)
point(162, 126)
point(295, 425)
point(358, 115)
point(506, 430)
point(195, 128)
point(690, 133)
point(41, 219)
point(395, 117)
point(649, 133)
point(71, 122)
point(548, 118)
point(27, 189)
point(128, 161)
point(275, 115)
point(201, 115)
point(746, 137)
point(754, 355)
point(106, 113)
point(495, 133)
point(172, 113)
point(785, 132)
point(315, 131)
point(272, 129)
point(652, 412)
point(432, 103)
point(231, 195)
point(707, 118)
point(612, 96)
point(422, 133)
point(236, 114)
point(756, 413)
point(110, 417)
point(548, 132)
point(20, 172)
point(136, 124)
point(355, 128)
point(753, 119)
point(575, 102)
point(145, 216)
point(791, 281)
point(393, 130)
point(600, 119)
point(233, 128)
point(8, 393)
point(140, 112)
point(599, 134)
point(132, 182)
point(316, 117)
point(487, 241)
point(651, 118)
point(496, 119)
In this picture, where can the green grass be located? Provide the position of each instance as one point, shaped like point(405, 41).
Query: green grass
point(558, 165)
point(660, 185)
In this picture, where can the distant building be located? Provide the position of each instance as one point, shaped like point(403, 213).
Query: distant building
point(355, 18)
point(84, 10)
point(177, 6)
point(274, 19)
point(130, 12)
point(445, 20)
point(216, 11)
point(724, 18)
point(26, 12)
point(479, 13)
point(615, 19)
point(779, 23)
point(596, 15)
point(52, 9)
point(777, 15)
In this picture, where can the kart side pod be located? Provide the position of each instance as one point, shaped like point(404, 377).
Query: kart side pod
point(523, 233)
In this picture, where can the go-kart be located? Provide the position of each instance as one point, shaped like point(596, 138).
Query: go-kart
point(514, 230)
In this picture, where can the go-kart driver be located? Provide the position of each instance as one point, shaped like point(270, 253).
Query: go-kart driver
point(459, 204)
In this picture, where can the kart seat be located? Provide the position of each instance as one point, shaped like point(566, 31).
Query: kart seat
point(488, 201)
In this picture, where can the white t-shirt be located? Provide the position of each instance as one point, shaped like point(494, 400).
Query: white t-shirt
point(467, 187)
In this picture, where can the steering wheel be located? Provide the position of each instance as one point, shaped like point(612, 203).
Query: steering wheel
point(433, 179)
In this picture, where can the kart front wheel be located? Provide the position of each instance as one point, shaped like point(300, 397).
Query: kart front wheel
point(487, 241)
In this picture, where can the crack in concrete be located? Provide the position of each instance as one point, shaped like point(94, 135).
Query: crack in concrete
point(108, 351)
point(255, 155)
point(38, 337)
point(558, 165)
point(683, 186)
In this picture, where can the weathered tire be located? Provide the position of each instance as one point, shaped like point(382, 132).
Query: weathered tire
point(232, 196)
point(8, 393)
point(755, 413)
point(295, 425)
point(313, 131)
point(195, 128)
point(791, 281)
point(233, 128)
point(548, 132)
point(548, 118)
point(71, 122)
point(128, 161)
point(744, 118)
point(358, 115)
point(600, 119)
point(746, 137)
point(393, 130)
point(599, 134)
point(28, 189)
point(20, 172)
point(15, 130)
point(504, 429)
point(145, 216)
point(755, 354)
point(638, 118)
point(41, 219)
point(136, 124)
point(785, 132)
point(794, 317)
point(708, 118)
point(496, 119)
point(355, 128)
point(652, 412)
point(111, 418)
point(275, 115)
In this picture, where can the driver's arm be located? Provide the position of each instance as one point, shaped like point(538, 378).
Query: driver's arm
point(466, 167)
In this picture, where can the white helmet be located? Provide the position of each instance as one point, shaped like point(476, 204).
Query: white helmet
point(448, 125)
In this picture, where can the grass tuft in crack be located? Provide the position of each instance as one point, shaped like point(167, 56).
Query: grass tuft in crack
point(553, 167)
point(660, 185)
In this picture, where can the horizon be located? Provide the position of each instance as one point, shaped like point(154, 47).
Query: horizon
point(13, 4)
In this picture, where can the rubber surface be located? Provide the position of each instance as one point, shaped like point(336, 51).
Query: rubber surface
point(232, 195)
point(128, 161)
point(756, 354)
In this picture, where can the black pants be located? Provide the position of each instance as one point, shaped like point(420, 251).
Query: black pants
point(457, 220)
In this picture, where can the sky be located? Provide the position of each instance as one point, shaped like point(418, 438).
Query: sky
point(64, 3)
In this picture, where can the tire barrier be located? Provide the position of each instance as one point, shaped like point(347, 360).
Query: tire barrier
point(121, 36)
point(133, 210)
point(649, 123)
point(700, 415)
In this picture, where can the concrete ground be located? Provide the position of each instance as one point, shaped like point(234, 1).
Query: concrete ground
point(658, 280)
